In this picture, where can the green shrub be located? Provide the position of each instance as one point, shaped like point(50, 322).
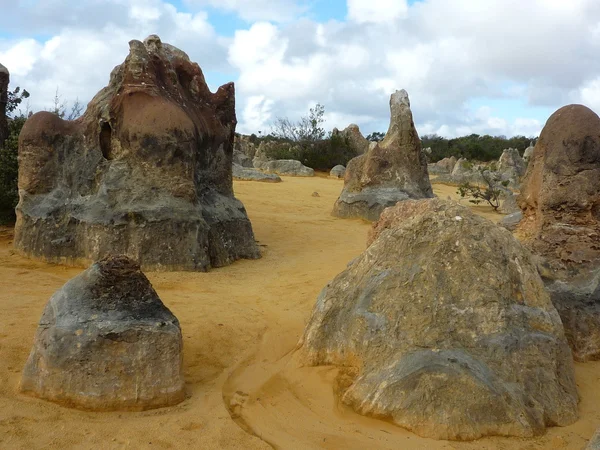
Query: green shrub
point(322, 154)
point(9, 171)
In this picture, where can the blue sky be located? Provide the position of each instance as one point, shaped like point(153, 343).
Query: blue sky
point(481, 66)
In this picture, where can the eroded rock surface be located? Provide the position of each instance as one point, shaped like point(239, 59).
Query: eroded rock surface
point(444, 327)
point(145, 172)
point(560, 200)
point(289, 167)
point(337, 172)
point(392, 170)
point(106, 342)
point(357, 142)
point(511, 166)
point(443, 166)
point(251, 174)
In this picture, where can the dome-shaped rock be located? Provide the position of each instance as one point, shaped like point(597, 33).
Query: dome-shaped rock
point(444, 327)
point(560, 200)
point(106, 342)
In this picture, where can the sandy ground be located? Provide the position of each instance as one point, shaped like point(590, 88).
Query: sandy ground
point(240, 326)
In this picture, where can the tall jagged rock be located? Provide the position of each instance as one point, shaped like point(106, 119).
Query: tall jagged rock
point(145, 172)
point(560, 201)
point(511, 166)
point(443, 326)
point(392, 170)
point(106, 342)
point(4, 80)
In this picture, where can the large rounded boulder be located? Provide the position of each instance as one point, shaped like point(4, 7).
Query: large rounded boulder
point(444, 327)
point(560, 201)
point(106, 342)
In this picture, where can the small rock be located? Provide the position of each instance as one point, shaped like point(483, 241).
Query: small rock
point(106, 342)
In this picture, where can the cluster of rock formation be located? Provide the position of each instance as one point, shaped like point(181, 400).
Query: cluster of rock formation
point(4, 80)
point(145, 172)
point(106, 342)
point(444, 327)
point(392, 170)
point(510, 167)
point(560, 203)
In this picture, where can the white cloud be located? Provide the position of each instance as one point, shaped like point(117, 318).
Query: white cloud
point(376, 11)
point(589, 94)
point(77, 60)
point(257, 10)
point(448, 54)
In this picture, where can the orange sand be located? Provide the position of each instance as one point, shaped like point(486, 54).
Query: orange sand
point(240, 326)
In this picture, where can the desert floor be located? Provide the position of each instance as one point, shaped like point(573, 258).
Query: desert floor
point(240, 327)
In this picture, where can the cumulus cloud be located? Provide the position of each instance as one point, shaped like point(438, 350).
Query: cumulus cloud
point(257, 10)
point(78, 58)
point(444, 52)
point(377, 11)
point(453, 56)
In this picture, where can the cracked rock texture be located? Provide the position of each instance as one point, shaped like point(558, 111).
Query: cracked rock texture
point(145, 172)
point(106, 342)
point(443, 326)
point(392, 170)
point(560, 200)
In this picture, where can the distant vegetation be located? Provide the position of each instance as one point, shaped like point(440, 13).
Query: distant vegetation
point(9, 166)
point(307, 142)
point(315, 149)
point(473, 147)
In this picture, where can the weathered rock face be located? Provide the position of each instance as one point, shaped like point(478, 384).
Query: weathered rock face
point(289, 167)
point(560, 200)
point(392, 170)
point(445, 165)
point(461, 167)
point(509, 202)
point(4, 80)
point(241, 159)
point(145, 172)
point(455, 339)
point(337, 172)
point(594, 443)
point(251, 174)
point(357, 142)
point(244, 144)
point(528, 153)
point(106, 342)
point(511, 221)
point(511, 166)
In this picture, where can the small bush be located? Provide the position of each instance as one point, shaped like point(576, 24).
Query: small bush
point(490, 193)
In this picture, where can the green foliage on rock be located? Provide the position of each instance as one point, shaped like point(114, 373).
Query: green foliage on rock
point(9, 171)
